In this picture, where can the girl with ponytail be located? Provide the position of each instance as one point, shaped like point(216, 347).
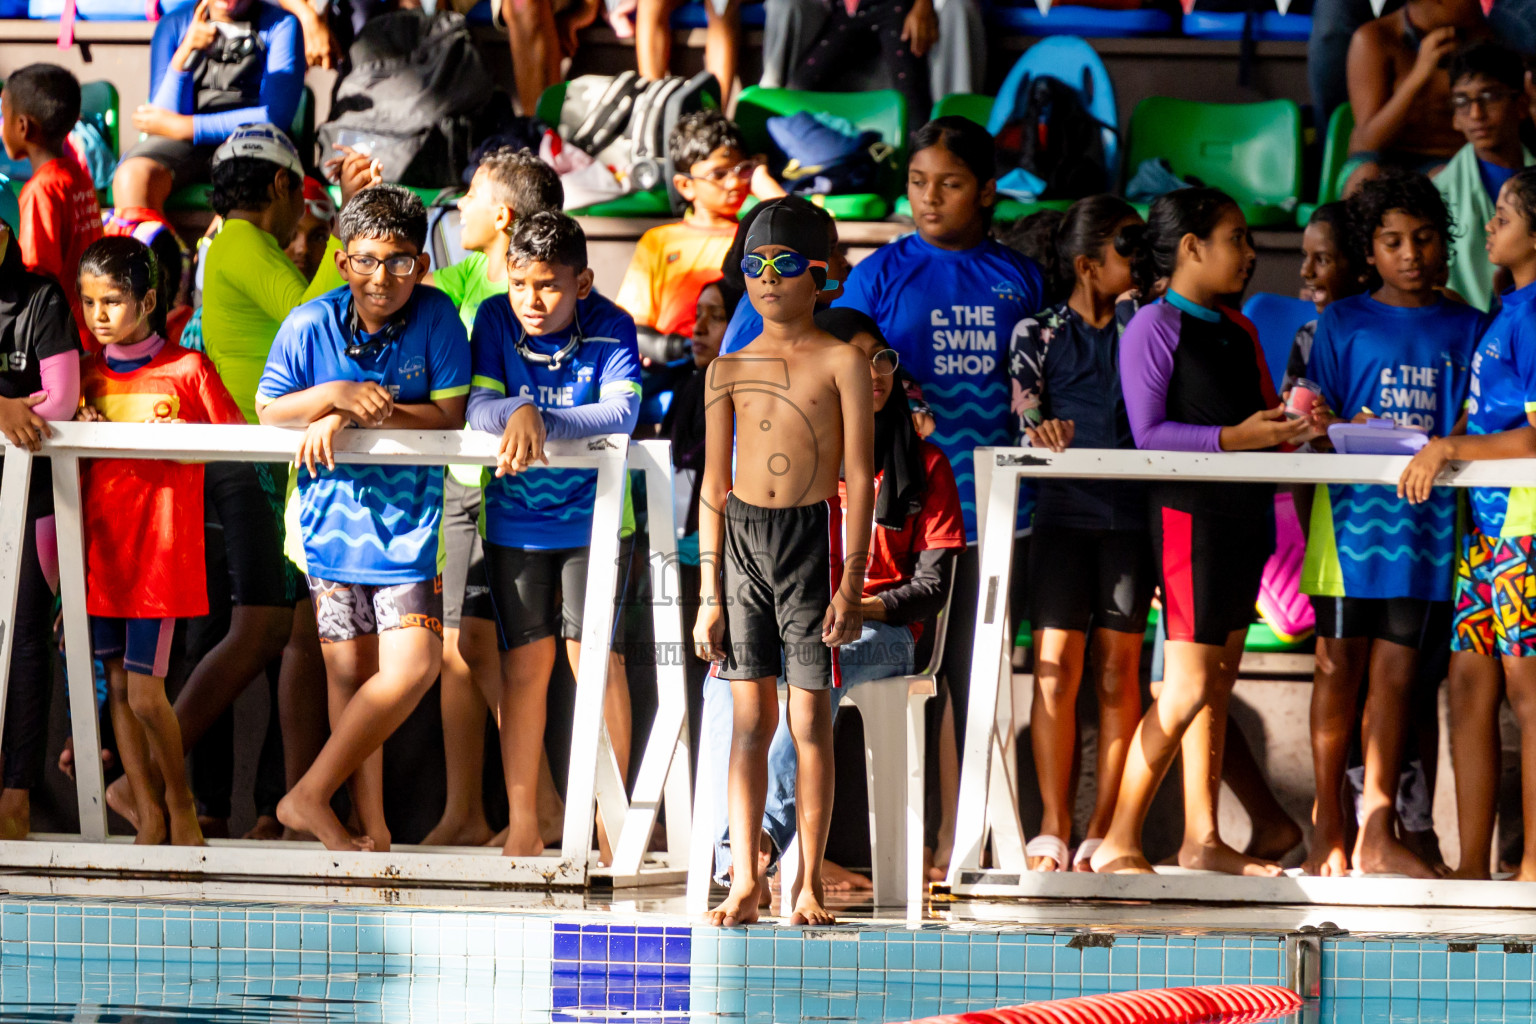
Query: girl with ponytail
point(1194, 379)
point(1090, 562)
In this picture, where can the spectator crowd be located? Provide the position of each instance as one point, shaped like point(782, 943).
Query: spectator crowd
point(822, 419)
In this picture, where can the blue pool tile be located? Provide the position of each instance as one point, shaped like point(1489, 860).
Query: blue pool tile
point(13, 924)
point(205, 932)
point(677, 946)
point(1431, 990)
point(66, 925)
point(567, 943)
point(1152, 960)
point(1378, 965)
point(787, 953)
point(871, 956)
point(1096, 960)
point(1376, 988)
point(1237, 965)
point(39, 928)
point(151, 932)
point(845, 954)
point(1490, 965)
point(1181, 960)
point(1067, 960)
point(1462, 966)
point(1347, 988)
point(955, 957)
point(1123, 959)
point(733, 948)
point(1517, 966)
point(1405, 989)
point(1037, 960)
point(1493, 991)
point(231, 934)
point(96, 930)
point(1207, 962)
point(926, 956)
point(1347, 963)
point(1010, 958)
point(594, 945)
point(621, 947)
point(1432, 964)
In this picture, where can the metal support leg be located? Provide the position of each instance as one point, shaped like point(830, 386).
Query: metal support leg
point(17, 475)
point(77, 647)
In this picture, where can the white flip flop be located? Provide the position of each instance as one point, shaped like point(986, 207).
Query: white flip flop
point(1086, 851)
point(1053, 847)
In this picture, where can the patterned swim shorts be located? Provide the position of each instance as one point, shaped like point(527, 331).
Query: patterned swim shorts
point(1496, 596)
point(346, 611)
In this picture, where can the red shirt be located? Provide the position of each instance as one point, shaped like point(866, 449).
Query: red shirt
point(59, 218)
point(144, 517)
point(938, 524)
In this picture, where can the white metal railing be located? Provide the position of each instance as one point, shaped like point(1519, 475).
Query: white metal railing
point(594, 773)
point(988, 802)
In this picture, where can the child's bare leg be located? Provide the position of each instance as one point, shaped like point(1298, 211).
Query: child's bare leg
point(1118, 657)
point(1474, 692)
point(1192, 673)
point(1053, 731)
point(408, 660)
point(1274, 831)
point(949, 793)
point(162, 735)
point(722, 33)
point(1204, 745)
point(1520, 680)
point(301, 696)
point(463, 822)
point(525, 673)
point(810, 724)
point(756, 716)
point(348, 665)
point(1335, 691)
point(133, 749)
point(617, 720)
point(1377, 848)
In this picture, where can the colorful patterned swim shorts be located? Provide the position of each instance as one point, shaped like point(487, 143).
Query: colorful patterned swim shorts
point(1496, 596)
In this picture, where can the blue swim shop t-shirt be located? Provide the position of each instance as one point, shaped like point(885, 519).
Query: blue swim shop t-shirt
point(551, 509)
point(1411, 365)
point(1503, 391)
point(377, 525)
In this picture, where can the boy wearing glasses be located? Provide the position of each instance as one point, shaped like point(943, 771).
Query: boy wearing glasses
point(379, 353)
point(777, 595)
point(674, 262)
point(1487, 106)
point(556, 360)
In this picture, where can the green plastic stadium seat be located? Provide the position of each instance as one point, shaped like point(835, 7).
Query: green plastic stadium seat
point(1252, 151)
point(968, 105)
point(1263, 639)
point(883, 111)
point(1330, 179)
point(302, 131)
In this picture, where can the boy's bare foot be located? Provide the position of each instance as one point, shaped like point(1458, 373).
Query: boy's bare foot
point(522, 841)
point(458, 833)
point(303, 813)
point(1379, 853)
point(15, 813)
point(267, 827)
point(1272, 840)
point(120, 800)
point(151, 831)
point(1218, 856)
point(377, 835)
point(1326, 857)
point(213, 828)
point(741, 905)
point(1111, 859)
point(836, 878)
point(297, 835)
point(1426, 846)
point(185, 830)
point(810, 909)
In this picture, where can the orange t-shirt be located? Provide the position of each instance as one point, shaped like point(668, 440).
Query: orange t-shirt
point(144, 517)
point(59, 218)
point(672, 264)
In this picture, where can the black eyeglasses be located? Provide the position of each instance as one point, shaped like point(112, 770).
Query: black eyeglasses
point(399, 266)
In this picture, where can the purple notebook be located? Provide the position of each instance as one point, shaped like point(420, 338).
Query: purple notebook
point(1376, 437)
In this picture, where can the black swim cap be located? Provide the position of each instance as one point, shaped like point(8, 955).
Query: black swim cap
point(791, 222)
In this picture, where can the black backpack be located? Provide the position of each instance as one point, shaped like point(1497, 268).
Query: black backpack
point(1052, 137)
point(416, 84)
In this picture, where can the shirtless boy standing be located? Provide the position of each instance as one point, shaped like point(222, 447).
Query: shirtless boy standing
point(776, 588)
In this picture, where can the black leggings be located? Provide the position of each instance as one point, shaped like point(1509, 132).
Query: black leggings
point(31, 685)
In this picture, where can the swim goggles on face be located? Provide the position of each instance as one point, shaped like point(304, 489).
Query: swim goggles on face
point(785, 264)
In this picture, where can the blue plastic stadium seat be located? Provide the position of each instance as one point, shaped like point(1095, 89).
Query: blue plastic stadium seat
point(480, 14)
point(1271, 25)
point(691, 15)
point(89, 10)
point(1081, 21)
point(13, 9)
point(1278, 318)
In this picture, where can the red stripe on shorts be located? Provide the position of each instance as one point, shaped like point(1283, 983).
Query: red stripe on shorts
point(1178, 574)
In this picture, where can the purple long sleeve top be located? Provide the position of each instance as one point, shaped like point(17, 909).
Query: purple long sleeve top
point(1146, 368)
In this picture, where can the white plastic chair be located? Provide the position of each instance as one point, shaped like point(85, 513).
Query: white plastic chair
point(895, 747)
